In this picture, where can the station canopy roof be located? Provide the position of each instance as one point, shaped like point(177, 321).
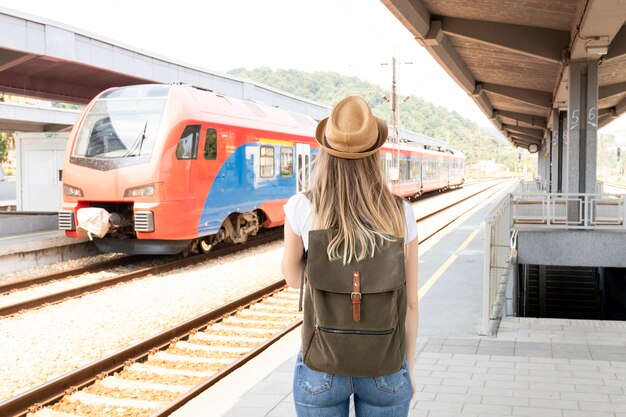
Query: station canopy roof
point(512, 56)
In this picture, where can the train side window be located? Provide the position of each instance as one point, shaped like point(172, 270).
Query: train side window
point(267, 162)
point(415, 169)
point(188, 143)
point(210, 144)
point(286, 161)
point(403, 170)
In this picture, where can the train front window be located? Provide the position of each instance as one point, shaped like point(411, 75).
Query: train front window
point(120, 128)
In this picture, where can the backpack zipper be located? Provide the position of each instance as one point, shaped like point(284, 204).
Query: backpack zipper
point(354, 331)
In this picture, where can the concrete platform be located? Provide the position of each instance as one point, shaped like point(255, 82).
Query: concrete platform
point(533, 367)
point(18, 224)
point(33, 249)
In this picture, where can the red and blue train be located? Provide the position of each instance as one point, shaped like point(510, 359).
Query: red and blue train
point(160, 169)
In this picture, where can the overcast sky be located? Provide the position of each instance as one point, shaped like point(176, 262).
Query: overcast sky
point(351, 37)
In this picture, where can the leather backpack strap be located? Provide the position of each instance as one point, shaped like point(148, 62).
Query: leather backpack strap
point(356, 296)
point(302, 279)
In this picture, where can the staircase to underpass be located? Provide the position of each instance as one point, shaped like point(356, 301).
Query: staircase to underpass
point(560, 292)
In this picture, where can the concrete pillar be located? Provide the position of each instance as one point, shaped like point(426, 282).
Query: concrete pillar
point(545, 155)
point(540, 165)
point(582, 127)
point(556, 154)
point(547, 168)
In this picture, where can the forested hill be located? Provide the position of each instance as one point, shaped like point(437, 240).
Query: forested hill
point(415, 114)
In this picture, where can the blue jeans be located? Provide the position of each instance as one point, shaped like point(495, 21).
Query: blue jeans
point(319, 394)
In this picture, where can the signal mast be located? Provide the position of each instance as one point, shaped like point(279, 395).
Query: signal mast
point(394, 171)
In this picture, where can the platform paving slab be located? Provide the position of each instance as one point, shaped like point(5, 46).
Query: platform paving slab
point(531, 368)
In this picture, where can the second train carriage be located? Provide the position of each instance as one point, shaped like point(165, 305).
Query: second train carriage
point(157, 169)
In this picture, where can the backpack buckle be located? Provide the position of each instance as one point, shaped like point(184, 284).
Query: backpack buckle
point(356, 296)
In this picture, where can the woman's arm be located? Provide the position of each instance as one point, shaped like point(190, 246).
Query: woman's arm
point(410, 266)
point(292, 257)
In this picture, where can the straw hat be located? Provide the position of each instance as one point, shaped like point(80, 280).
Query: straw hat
point(351, 131)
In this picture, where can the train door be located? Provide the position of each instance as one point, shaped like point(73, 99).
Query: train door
point(303, 167)
point(208, 154)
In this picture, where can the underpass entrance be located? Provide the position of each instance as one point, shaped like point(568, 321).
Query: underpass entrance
point(550, 291)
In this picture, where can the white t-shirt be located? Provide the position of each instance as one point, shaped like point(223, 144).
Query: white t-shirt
point(299, 213)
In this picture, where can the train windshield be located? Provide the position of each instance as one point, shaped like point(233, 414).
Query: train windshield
point(120, 128)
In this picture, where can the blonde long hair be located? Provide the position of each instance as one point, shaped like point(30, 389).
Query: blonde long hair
point(351, 196)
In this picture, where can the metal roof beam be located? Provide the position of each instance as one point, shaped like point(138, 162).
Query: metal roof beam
point(520, 138)
point(483, 102)
point(444, 53)
point(533, 97)
point(617, 48)
point(620, 108)
point(47, 89)
point(412, 14)
point(12, 62)
point(535, 42)
point(598, 25)
point(528, 131)
point(606, 116)
point(523, 118)
point(607, 91)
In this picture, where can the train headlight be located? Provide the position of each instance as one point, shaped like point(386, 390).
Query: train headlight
point(143, 191)
point(72, 191)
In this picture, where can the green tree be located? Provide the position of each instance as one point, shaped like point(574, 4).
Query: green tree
point(416, 114)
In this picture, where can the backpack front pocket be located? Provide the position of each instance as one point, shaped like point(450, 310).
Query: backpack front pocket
point(355, 352)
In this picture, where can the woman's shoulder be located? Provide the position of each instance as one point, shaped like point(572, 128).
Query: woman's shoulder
point(298, 198)
point(298, 202)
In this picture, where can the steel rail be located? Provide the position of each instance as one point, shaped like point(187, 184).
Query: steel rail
point(194, 392)
point(615, 184)
point(213, 379)
point(180, 263)
point(123, 261)
point(53, 390)
point(456, 217)
point(429, 215)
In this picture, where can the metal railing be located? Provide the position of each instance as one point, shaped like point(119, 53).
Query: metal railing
point(569, 211)
point(538, 185)
point(500, 259)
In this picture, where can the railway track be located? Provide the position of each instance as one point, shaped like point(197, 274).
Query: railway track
point(168, 264)
point(128, 262)
point(615, 185)
point(159, 375)
point(151, 375)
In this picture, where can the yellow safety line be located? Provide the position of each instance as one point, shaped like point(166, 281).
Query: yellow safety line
point(28, 234)
point(439, 272)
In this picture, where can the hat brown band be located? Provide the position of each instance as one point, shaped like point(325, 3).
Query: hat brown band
point(320, 137)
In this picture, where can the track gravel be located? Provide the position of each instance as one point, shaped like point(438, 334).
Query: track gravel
point(40, 345)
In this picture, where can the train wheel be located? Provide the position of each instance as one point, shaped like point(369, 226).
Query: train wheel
point(205, 245)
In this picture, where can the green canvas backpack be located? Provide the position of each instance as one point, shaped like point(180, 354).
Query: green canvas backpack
point(354, 314)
